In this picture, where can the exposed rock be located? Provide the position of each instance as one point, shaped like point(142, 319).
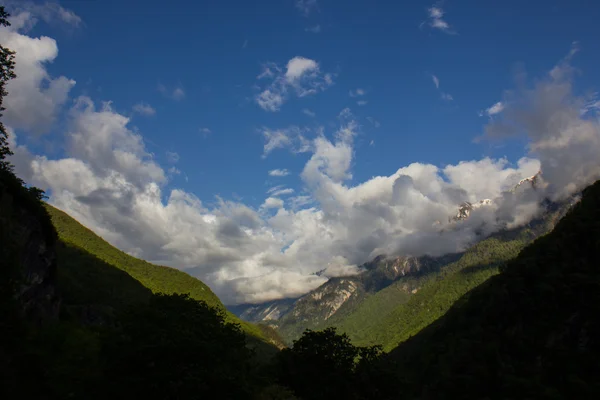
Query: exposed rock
point(32, 249)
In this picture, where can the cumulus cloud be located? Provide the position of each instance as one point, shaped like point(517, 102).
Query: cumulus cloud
point(301, 76)
point(548, 114)
point(35, 97)
point(279, 172)
point(272, 202)
point(144, 109)
point(436, 81)
point(112, 184)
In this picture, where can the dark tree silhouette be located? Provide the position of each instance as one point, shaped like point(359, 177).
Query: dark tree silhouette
point(176, 347)
point(7, 66)
point(322, 365)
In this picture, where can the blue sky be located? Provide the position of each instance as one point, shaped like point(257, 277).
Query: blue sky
point(415, 80)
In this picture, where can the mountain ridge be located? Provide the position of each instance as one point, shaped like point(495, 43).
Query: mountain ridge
point(339, 298)
point(79, 243)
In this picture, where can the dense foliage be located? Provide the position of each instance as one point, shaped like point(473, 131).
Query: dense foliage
point(326, 365)
point(175, 347)
point(90, 272)
point(389, 325)
point(530, 332)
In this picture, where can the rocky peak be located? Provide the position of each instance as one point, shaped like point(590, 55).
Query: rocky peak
point(465, 209)
point(534, 181)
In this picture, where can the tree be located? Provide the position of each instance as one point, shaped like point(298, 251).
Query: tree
point(176, 347)
point(7, 66)
point(324, 365)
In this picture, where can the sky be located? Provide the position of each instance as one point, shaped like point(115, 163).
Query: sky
point(253, 144)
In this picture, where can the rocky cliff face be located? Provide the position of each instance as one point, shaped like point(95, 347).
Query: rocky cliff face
point(338, 296)
point(30, 257)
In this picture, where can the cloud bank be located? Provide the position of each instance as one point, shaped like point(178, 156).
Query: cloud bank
point(112, 184)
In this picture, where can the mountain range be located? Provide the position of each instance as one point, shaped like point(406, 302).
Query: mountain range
point(362, 305)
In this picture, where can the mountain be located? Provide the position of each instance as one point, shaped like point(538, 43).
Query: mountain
point(95, 278)
point(264, 312)
point(364, 305)
point(338, 296)
point(80, 319)
point(530, 331)
point(386, 320)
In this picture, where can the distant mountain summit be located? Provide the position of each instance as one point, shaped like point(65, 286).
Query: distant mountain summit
point(339, 297)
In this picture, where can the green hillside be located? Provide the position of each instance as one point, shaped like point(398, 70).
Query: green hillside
point(392, 315)
point(531, 331)
point(91, 273)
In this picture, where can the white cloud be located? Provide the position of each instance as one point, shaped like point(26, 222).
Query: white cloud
point(339, 266)
point(35, 97)
point(493, 110)
point(308, 112)
point(175, 93)
point(374, 122)
point(270, 100)
point(357, 92)
point(443, 95)
point(172, 157)
point(446, 96)
point(258, 255)
point(279, 172)
point(313, 29)
point(591, 107)
point(178, 93)
point(275, 140)
point(302, 77)
point(144, 109)
point(110, 183)
point(272, 202)
point(306, 6)
point(565, 141)
point(362, 102)
point(298, 67)
point(278, 191)
point(205, 131)
point(49, 12)
point(292, 138)
point(436, 19)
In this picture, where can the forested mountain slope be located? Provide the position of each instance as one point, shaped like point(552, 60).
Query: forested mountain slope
point(532, 331)
point(393, 314)
point(396, 297)
point(91, 278)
